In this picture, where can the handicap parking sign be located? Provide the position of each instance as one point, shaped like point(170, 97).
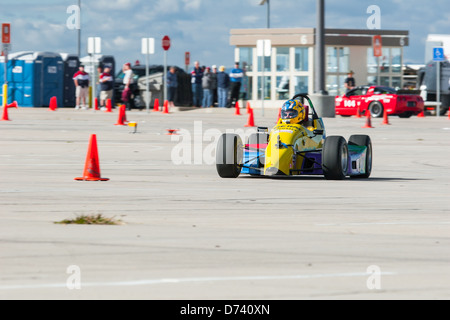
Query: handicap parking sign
point(438, 54)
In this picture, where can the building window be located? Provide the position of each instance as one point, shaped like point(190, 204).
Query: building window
point(338, 65)
point(396, 57)
point(267, 64)
point(246, 59)
point(282, 59)
point(390, 67)
point(384, 81)
point(267, 88)
point(246, 88)
point(385, 65)
point(301, 84)
point(332, 59)
point(301, 59)
point(344, 60)
point(282, 90)
point(332, 85)
point(396, 82)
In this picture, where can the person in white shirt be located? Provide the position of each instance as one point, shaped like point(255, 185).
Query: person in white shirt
point(127, 81)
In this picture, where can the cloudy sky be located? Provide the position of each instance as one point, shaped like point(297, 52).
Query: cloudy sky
point(202, 26)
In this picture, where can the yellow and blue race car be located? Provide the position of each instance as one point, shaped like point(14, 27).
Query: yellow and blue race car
point(297, 145)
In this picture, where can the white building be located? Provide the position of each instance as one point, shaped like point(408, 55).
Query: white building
point(290, 68)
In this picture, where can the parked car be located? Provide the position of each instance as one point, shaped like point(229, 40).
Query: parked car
point(377, 99)
point(138, 87)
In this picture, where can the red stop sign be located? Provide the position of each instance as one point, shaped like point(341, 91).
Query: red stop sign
point(6, 33)
point(166, 43)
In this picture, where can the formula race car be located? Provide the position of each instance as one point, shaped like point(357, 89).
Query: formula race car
point(403, 103)
point(297, 145)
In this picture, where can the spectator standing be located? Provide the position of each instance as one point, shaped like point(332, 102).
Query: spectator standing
point(236, 76)
point(98, 88)
point(106, 87)
point(349, 82)
point(81, 80)
point(223, 84)
point(128, 82)
point(207, 85)
point(196, 80)
point(214, 85)
point(172, 85)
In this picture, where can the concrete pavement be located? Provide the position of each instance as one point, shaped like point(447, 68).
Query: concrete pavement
point(188, 234)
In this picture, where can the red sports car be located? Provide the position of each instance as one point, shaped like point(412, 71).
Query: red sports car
point(403, 103)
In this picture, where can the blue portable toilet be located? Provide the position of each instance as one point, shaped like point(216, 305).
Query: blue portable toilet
point(33, 78)
point(71, 64)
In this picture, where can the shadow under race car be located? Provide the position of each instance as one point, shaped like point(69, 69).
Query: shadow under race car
point(295, 149)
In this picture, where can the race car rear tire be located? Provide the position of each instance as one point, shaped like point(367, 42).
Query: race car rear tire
point(376, 109)
point(363, 140)
point(335, 158)
point(229, 155)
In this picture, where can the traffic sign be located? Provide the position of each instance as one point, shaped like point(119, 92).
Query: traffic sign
point(438, 54)
point(6, 33)
point(187, 58)
point(148, 46)
point(377, 46)
point(166, 43)
point(94, 45)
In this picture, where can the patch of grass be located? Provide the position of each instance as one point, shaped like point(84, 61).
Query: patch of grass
point(91, 219)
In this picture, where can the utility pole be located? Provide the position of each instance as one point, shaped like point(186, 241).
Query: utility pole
point(320, 48)
point(79, 31)
point(324, 103)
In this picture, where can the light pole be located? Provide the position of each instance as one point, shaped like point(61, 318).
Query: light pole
point(324, 102)
point(79, 30)
point(263, 2)
point(320, 48)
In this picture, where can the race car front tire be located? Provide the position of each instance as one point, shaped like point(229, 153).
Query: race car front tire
point(363, 140)
point(229, 155)
point(335, 158)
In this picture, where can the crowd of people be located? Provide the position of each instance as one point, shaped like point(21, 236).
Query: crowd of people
point(104, 86)
point(210, 86)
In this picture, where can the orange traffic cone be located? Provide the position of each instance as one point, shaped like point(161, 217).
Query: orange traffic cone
point(248, 107)
point(237, 111)
point(5, 111)
point(53, 104)
point(172, 132)
point(156, 106)
point(108, 105)
point(449, 113)
point(251, 119)
point(358, 112)
point(368, 120)
point(122, 116)
point(166, 107)
point(421, 114)
point(385, 118)
point(92, 166)
point(96, 104)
